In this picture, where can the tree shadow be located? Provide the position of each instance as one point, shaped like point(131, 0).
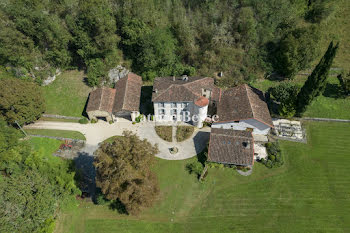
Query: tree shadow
point(333, 91)
point(118, 206)
point(86, 173)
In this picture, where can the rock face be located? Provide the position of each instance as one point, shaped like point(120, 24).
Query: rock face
point(117, 73)
point(50, 79)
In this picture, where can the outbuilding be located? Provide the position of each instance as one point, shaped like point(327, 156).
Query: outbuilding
point(122, 101)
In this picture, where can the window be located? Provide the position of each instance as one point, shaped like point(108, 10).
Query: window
point(161, 112)
point(174, 118)
point(161, 105)
point(173, 105)
point(174, 112)
point(184, 105)
point(236, 121)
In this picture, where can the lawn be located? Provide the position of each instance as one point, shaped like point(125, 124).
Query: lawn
point(67, 95)
point(310, 193)
point(57, 133)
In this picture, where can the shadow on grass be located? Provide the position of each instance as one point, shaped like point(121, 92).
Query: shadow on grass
point(333, 91)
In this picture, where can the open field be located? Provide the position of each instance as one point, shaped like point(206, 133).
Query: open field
point(310, 193)
point(57, 133)
point(67, 95)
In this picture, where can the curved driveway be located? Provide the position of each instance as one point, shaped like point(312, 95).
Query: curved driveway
point(97, 133)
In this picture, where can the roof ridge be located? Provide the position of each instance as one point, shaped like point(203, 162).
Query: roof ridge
point(249, 100)
point(126, 89)
point(164, 91)
point(99, 106)
point(232, 136)
point(195, 81)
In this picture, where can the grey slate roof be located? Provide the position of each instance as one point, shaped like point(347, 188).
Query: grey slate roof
point(230, 146)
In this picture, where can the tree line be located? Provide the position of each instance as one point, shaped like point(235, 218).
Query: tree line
point(34, 185)
point(243, 38)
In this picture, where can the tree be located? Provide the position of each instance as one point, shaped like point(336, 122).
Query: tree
point(286, 93)
point(96, 70)
point(316, 82)
point(26, 202)
point(296, 51)
point(20, 101)
point(123, 172)
point(344, 80)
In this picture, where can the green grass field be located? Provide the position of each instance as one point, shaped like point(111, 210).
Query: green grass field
point(67, 95)
point(57, 133)
point(310, 193)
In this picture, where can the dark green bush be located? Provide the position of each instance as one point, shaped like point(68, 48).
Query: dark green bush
point(274, 158)
point(195, 167)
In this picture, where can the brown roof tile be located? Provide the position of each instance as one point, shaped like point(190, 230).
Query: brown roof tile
point(231, 147)
point(243, 102)
point(128, 93)
point(175, 89)
point(101, 99)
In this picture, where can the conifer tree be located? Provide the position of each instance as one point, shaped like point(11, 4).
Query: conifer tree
point(316, 82)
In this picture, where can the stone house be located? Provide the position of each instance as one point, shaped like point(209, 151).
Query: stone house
point(122, 101)
point(175, 99)
point(242, 114)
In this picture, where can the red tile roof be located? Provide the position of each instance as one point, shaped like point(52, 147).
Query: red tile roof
point(202, 101)
point(243, 102)
point(128, 93)
point(230, 146)
point(101, 99)
point(175, 89)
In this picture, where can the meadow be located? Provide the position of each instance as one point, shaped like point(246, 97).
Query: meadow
point(310, 193)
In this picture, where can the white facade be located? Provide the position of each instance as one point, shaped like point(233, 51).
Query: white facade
point(175, 111)
point(202, 113)
point(257, 127)
point(171, 111)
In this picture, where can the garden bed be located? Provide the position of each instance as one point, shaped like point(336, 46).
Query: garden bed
point(184, 132)
point(165, 132)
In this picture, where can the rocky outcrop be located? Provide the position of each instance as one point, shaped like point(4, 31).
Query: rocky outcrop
point(117, 73)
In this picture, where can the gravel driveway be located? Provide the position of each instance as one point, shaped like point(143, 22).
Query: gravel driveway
point(96, 133)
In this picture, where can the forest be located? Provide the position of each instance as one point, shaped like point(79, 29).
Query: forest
point(245, 39)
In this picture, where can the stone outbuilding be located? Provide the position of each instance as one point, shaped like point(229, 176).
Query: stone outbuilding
point(122, 101)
